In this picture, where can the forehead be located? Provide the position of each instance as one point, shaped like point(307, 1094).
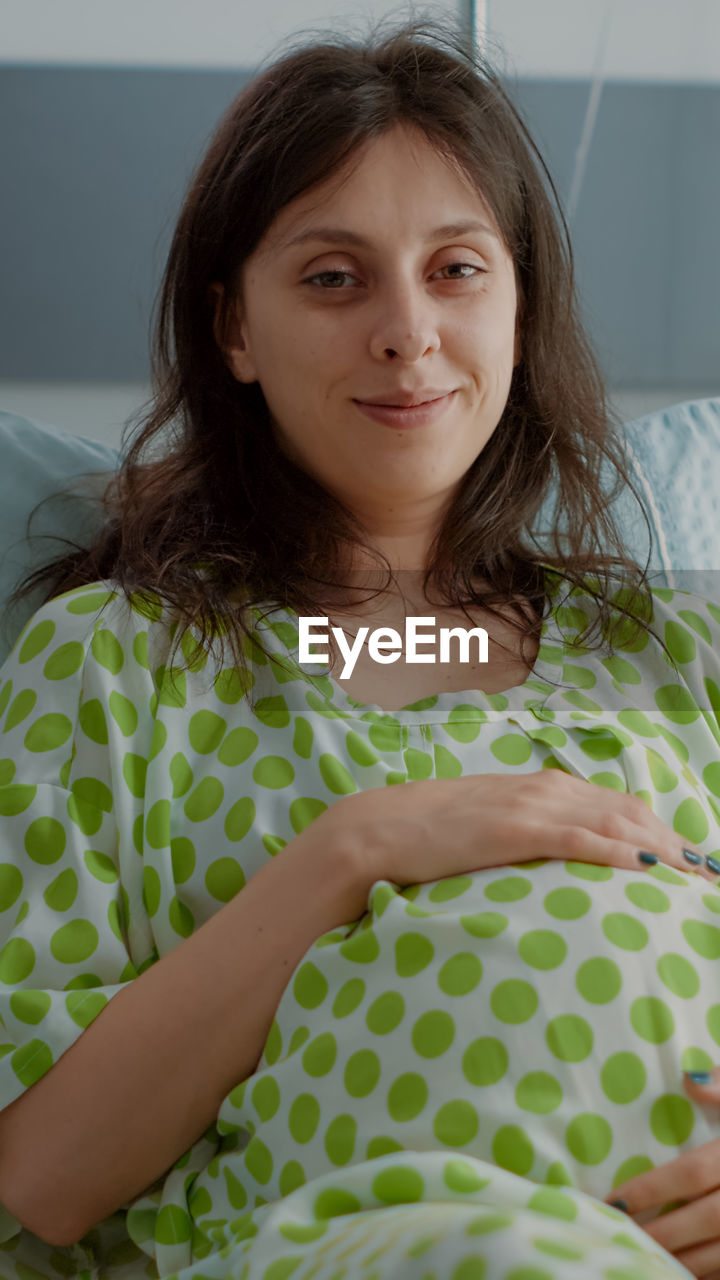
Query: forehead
point(399, 159)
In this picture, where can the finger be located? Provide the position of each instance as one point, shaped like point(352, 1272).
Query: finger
point(702, 1261)
point(668, 849)
point(694, 1224)
point(558, 798)
point(696, 1172)
point(627, 818)
point(582, 844)
point(703, 1087)
point(637, 811)
point(627, 822)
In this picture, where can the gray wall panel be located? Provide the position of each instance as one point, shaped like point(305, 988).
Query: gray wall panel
point(95, 160)
point(94, 164)
point(694, 248)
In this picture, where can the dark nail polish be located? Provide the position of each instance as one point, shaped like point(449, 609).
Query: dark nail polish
point(699, 1077)
point(619, 1204)
point(691, 857)
point(650, 858)
point(713, 865)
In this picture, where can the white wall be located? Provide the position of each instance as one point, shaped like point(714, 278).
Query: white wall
point(225, 34)
point(661, 40)
point(658, 40)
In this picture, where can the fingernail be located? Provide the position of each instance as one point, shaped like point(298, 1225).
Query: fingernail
point(691, 857)
point(619, 1204)
point(650, 858)
point(712, 865)
point(699, 1077)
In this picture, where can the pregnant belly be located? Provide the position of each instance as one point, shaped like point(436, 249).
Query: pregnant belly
point(538, 1017)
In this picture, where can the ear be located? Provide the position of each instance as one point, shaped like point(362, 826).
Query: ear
point(231, 339)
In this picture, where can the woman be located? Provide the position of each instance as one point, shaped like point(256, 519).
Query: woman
point(267, 1013)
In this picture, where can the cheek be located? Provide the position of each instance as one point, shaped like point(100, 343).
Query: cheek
point(303, 351)
point(282, 368)
point(488, 332)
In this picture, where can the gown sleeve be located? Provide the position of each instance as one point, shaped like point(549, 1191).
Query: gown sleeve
point(76, 711)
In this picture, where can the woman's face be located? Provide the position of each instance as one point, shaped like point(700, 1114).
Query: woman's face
point(390, 278)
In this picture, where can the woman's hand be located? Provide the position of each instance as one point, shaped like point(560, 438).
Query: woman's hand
point(691, 1233)
point(439, 827)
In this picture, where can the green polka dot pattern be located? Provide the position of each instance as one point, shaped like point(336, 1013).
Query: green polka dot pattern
point(451, 1084)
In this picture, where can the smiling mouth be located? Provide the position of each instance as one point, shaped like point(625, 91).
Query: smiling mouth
point(407, 416)
point(384, 404)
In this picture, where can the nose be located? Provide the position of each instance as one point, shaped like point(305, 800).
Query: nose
point(404, 323)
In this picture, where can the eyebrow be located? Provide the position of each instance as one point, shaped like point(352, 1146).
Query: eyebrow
point(338, 235)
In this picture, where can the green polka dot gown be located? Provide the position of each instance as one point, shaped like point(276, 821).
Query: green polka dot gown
point(451, 1083)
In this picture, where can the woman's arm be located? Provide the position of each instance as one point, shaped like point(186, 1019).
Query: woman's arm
point(148, 1075)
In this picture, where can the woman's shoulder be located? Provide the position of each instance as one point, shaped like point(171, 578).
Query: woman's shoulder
point(134, 638)
point(677, 609)
point(689, 621)
point(98, 619)
point(653, 599)
point(80, 611)
point(629, 617)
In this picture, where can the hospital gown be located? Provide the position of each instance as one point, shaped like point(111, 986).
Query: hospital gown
point(452, 1083)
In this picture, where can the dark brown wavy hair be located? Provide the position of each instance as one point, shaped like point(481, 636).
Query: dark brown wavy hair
point(205, 502)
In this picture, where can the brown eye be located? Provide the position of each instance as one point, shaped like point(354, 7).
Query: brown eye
point(470, 266)
point(323, 275)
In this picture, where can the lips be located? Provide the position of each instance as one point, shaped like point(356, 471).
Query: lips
point(406, 399)
point(405, 416)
